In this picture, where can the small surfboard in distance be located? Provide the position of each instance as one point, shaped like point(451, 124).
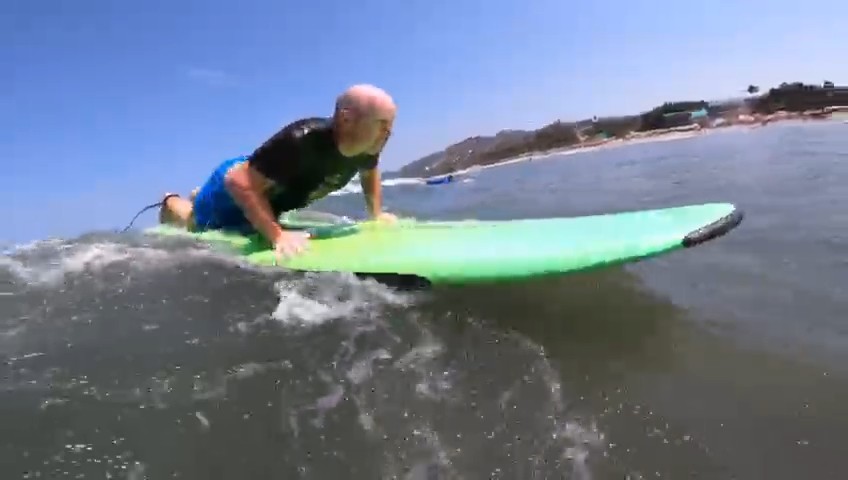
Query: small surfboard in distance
point(469, 251)
point(439, 180)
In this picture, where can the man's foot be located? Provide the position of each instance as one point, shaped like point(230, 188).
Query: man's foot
point(165, 213)
point(177, 211)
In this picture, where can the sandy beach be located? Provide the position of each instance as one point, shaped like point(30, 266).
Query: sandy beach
point(567, 151)
point(680, 134)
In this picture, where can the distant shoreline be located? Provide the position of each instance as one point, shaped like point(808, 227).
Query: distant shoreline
point(675, 119)
point(655, 136)
point(572, 150)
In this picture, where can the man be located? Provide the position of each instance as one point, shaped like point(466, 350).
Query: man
point(303, 162)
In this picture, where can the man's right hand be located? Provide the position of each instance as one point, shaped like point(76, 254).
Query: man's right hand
point(289, 244)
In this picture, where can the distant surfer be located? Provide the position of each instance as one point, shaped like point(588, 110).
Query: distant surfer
point(303, 162)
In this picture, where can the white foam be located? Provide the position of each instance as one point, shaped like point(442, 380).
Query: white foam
point(318, 298)
point(47, 263)
point(362, 369)
point(354, 187)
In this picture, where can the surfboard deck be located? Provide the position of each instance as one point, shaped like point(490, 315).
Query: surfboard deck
point(470, 251)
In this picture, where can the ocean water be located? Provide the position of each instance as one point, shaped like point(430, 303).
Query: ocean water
point(128, 357)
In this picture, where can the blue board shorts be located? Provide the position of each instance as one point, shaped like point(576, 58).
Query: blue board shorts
point(215, 208)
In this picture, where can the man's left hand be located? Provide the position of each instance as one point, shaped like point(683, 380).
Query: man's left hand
point(385, 217)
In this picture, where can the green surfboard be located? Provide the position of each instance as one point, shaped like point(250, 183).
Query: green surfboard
point(471, 251)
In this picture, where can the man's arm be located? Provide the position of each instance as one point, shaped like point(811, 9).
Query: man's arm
point(369, 179)
point(247, 186)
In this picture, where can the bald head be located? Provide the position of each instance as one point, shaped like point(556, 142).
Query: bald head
point(363, 119)
point(367, 100)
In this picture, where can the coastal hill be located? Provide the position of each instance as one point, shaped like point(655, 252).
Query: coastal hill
point(455, 156)
point(783, 101)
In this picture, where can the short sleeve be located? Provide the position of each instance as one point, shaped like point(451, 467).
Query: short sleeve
point(277, 158)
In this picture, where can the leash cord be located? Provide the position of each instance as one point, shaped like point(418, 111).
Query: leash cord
point(153, 205)
point(160, 203)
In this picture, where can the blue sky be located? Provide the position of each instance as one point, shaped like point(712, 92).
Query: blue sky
point(105, 104)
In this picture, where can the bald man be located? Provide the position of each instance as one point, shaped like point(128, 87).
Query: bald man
point(303, 162)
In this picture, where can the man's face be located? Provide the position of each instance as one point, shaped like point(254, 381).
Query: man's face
point(380, 129)
point(366, 133)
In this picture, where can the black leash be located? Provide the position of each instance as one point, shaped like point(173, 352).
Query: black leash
point(160, 203)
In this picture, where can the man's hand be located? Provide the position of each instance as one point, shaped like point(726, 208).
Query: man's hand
point(289, 244)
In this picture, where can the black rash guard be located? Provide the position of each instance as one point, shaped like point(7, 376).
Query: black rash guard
point(304, 163)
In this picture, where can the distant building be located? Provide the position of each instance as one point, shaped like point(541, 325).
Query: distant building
point(698, 114)
point(687, 117)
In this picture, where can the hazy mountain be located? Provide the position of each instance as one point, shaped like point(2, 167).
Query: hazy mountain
point(455, 156)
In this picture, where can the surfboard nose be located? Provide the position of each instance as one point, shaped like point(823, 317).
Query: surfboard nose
point(715, 229)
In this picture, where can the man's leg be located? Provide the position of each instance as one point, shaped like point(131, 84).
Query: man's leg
point(180, 212)
point(208, 207)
